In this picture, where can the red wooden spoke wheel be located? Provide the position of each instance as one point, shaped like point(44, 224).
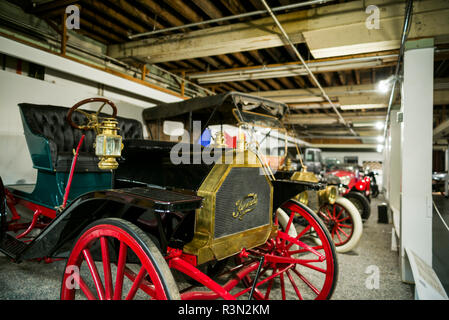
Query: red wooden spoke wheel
point(310, 271)
point(114, 259)
point(344, 223)
point(338, 221)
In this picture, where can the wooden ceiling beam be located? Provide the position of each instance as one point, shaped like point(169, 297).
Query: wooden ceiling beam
point(184, 10)
point(342, 77)
point(357, 76)
point(261, 85)
point(300, 81)
point(155, 8)
point(50, 6)
point(286, 83)
point(106, 23)
point(273, 84)
point(234, 6)
point(208, 8)
point(135, 12)
point(248, 85)
point(237, 86)
point(99, 30)
point(312, 26)
point(111, 13)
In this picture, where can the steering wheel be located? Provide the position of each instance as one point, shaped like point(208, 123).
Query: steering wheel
point(92, 118)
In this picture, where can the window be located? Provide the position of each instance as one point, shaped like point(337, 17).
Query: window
point(354, 159)
point(36, 71)
point(310, 155)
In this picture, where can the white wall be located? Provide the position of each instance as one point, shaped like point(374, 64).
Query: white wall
point(363, 156)
point(57, 89)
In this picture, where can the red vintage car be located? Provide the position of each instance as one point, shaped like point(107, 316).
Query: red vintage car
point(354, 186)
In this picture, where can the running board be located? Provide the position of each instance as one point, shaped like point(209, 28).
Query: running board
point(12, 247)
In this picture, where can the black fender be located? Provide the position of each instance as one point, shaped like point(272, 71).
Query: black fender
point(284, 190)
point(57, 239)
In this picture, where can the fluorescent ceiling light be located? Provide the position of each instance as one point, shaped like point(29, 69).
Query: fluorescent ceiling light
point(379, 125)
point(385, 85)
point(362, 106)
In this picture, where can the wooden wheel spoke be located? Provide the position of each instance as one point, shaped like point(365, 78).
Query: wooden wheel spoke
point(106, 268)
point(94, 272)
point(145, 285)
point(341, 230)
point(270, 285)
point(305, 264)
point(345, 218)
point(295, 287)
point(338, 236)
point(307, 282)
point(303, 232)
point(136, 284)
point(281, 278)
point(339, 213)
point(85, 289)
point(120, 271)
point(333, 232)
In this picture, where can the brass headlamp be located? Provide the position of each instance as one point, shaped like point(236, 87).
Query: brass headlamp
point(303, 197)
point(328, 195)
point(108, 144)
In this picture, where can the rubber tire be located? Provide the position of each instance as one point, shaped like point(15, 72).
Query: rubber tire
point(363, 201)
point(148, 247)
point(357, 226)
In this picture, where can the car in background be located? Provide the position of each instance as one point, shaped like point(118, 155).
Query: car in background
point(330, 162)
point(313, 160)
point(352, 185)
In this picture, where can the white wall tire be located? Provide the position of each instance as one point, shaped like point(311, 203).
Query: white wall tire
point(338, 218)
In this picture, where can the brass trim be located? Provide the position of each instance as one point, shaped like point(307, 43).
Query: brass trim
point(204, 244)
point(304, 176)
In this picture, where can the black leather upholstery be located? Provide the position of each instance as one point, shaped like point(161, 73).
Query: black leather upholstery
point(50, 122)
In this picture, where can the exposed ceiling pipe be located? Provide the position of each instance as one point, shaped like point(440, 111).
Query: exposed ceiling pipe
point(339, 137)
point(290, 70)
point(323, 93)
point(405, 30)
point(233, 17)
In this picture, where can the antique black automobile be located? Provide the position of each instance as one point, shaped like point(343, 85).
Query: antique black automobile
point(126, 217)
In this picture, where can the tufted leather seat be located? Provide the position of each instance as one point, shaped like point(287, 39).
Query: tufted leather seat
point(47, 125)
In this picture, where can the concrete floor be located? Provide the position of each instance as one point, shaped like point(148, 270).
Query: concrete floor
point(34, 281)
point(372, 255)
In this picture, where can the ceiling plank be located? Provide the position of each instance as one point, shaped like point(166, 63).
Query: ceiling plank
point(108, 11)
point(155, 8)
point(261, 33)
point(135, 12)
point(209, 8)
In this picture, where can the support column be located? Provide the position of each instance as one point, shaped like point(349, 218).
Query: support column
point(63, 34)
point(416, 154)
point(394, 182)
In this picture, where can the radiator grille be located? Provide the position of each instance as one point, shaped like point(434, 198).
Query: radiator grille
point(240, 183)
